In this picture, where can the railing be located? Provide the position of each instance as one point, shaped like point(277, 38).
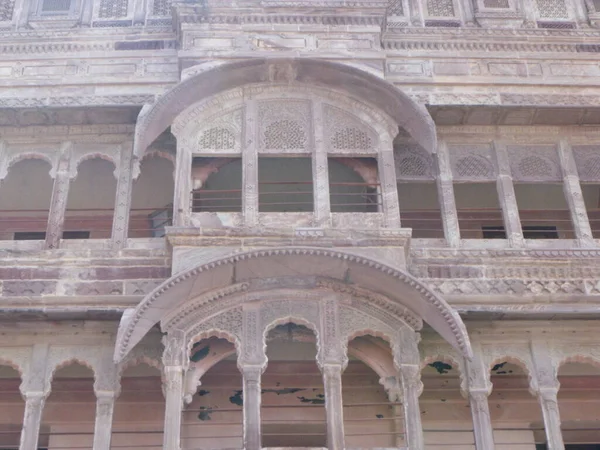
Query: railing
point(480, 223)
point(82, 223)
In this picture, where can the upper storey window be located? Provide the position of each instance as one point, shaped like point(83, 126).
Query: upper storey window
point(56, 7)
point(554, 14)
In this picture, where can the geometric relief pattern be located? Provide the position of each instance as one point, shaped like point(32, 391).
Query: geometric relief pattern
point(587, 159)
point(534, 163)
point(472, 162)
point(396, 8)
point(217, 138)
point(345, 131)
point(161, 7)
point(6, 10)
point(552, 9)
point(222, 132)
point(440, 8)
point(112, 9)
point(412, 164)
point(284, 124)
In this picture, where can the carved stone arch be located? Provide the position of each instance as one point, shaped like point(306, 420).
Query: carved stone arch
point(156, 153)
point(94, 155)
point(13, 364)
point(534, 163)
point(68, 361)
point(580, 358)
point(263, 271)
point(212, 78)
point(412, 163)
point(221, 132)
point(18, 157)
point(518, 361)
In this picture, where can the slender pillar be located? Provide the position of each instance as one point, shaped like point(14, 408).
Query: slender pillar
point(60, 195)
point(388, 183)
point(445, 186)
point(477, 387)
point(252, 400)
point(105, 404)
point(320, 170)
point(508, 198)
point(120, 226)
point(574, 196)
point(182, 198)
point(416, 13)
point(34, 406)
point(173, 407)
point(412, 387)
point(482, 425)
point(545, 385)
point(393, 388)
point(174, 366)
point(332, 382)
point(547, 397)
point(250, 167)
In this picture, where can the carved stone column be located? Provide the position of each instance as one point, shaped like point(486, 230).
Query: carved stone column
point(250, 166)
point(107, 388)
point(445, 186)
point(182, 197)
point(105, 404)
point(174, 362)
point(34, 406)
point(320, 170)
point(574, 196)
point(60, 195)
point(252, 362)
point(545, 385)
point(477, 387)
point(332, 361)
point(549, 402)
point(120, 226)
point(416, 13)
point(388, 186)
point(334, 409)
point(508, 198)
point(393, 388)
point(252, 401)
point(412, 388)
point(407, 360)
point(35, 389)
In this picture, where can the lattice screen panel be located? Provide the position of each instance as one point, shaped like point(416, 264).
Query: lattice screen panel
point(6, 10)
point(396, 8)
point(56, 6)
point(112, 9)
point(552, 9)
point(499, 4)
point(440, 8)
point(161, 8)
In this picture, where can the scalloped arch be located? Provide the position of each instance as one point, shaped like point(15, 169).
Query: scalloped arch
point(212, 78)
point(305, 262)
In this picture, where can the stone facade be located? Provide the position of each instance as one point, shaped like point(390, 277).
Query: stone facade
point(312, 223)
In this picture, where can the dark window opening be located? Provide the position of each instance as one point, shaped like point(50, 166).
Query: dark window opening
point(294, 435)
point(540, 232)
point(57, 7)
point(478, 210)
point(76, 235)
point(41, 235)
point(216, 184)
point(285, 184)
point(544, 211)
point(353, 185)
point(493, 232)
point(420, 209)
point(571, 447)
point(29, 236)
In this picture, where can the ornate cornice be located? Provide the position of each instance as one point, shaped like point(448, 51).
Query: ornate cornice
point(78, 100)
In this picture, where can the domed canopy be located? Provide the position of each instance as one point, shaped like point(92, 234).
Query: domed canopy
point(307, 268)
point(209, 79)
